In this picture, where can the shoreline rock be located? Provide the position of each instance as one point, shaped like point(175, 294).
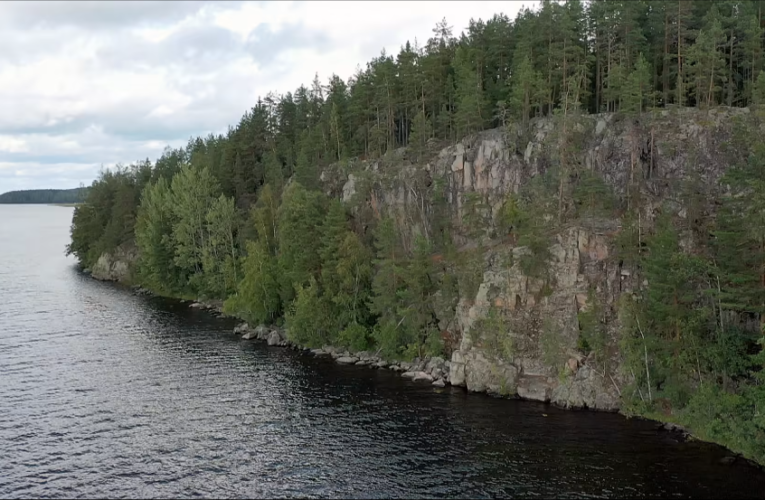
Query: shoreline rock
point(435, 370)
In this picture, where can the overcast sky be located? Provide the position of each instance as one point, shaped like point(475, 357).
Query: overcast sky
point(89, 83)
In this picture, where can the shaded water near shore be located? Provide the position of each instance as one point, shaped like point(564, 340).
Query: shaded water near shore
point(108, 394)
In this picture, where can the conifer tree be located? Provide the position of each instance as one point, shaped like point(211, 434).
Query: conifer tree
point(469, 96)
point(421, 133)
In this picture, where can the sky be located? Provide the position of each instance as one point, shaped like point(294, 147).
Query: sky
point(86, 84)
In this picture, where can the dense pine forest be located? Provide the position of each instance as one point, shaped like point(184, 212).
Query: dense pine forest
point(248, 217)
point(75, 195)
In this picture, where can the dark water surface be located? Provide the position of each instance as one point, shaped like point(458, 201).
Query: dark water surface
point(107, 394)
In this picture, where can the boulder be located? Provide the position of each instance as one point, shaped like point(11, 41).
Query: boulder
point(262, 332)
point(249, 335)
point(274, 338)
point(318, 352)
point(435, 364)
point(422, 376)
point(439, 383)
point(328, 349)
point(408, 374)
point(363, 362)
point(381, 364)
point(347, 360)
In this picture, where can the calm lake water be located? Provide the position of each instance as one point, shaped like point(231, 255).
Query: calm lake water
point(108, 394)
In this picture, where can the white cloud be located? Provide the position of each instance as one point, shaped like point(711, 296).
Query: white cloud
point(89, 83)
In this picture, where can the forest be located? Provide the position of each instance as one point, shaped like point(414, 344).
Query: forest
point(75, 195)
point(245, 217)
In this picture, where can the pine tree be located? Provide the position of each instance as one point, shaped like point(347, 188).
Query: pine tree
point(333, 231)
point(758, 94)
point(740, 237)
point(274, 175)
point(469, 96)
point(637, 89)
point(306, 172)
point(526, 89)
point(418, 295)
point(299, 222)
point(706, 64)
point(354, 281)
point(421, 133)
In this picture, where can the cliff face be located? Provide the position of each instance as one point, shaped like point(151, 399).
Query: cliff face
point(115, 266)
point(670, 160)
point(535, 354)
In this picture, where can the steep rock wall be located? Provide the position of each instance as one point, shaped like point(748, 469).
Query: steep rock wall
point(664, 150)
point(116, 266)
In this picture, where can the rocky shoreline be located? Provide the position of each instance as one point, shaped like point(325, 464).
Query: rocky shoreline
point(432, 370)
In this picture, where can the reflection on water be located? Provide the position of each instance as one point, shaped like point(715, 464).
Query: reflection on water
point(105, 393)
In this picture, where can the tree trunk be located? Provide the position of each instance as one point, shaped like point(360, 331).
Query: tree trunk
point(730, 71)
point(679, 58)
point(665, 68)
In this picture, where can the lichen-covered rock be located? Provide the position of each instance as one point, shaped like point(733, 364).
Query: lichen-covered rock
point(274, 338)
point(115, 266)
point(347, 360)
point(262, 332)
point(586, 389)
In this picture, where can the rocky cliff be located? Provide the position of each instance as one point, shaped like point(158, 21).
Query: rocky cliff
point(116, 266)
point(669, 160)
point(534, 352)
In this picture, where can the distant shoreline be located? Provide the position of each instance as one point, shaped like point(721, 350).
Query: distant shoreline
point(47, 204)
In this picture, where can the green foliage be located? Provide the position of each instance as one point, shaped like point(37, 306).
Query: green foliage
point(553, 345)
point(707, 69)
point(388, 282)
point(592, 331)
point(353, 274)
point(474, 215)
point(192, 193)
point(106, 220)
point(470, 100)
point(592, 195)
point(758, 93)
point(299, 220)
point(637, 92)
point(422, 130)
point(308, 320)
point(220, 259)
point(354, 336)
point(153, 234)
point(740, 237)
point(627, 240)
point(527, 89)
point(493, 334)
point(257, 297)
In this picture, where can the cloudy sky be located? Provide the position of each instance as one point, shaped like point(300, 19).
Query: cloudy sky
point(85, 84)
